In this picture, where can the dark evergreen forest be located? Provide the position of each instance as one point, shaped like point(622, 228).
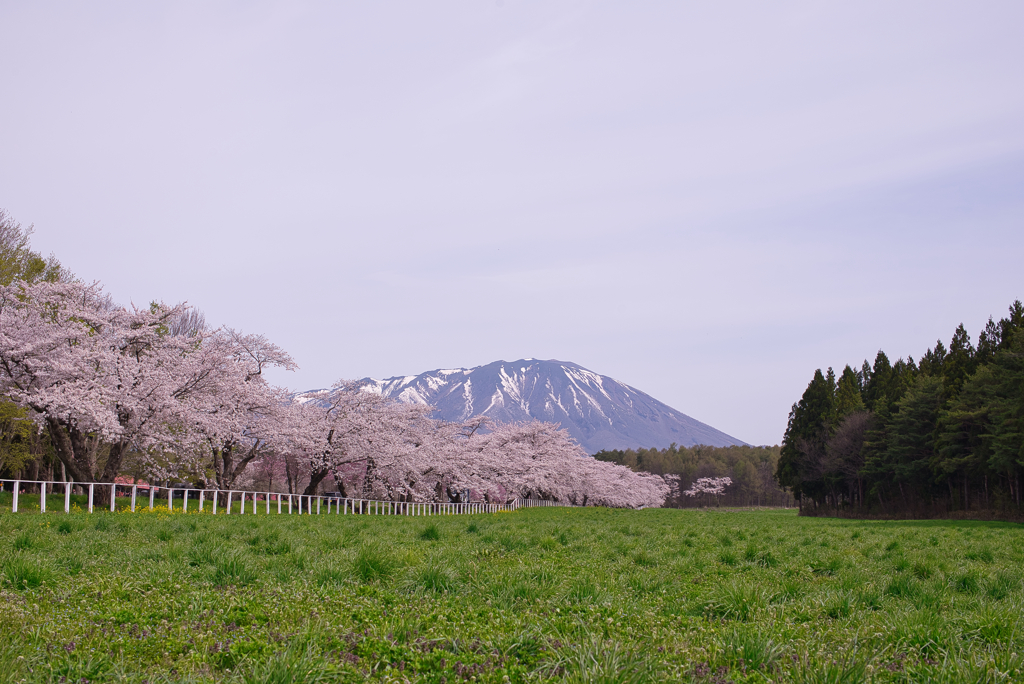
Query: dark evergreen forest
point(752, 470)
point(940, 437)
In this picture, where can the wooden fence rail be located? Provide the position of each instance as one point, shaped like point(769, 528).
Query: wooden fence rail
point(215, 498)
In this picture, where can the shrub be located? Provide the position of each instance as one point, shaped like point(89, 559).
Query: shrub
point(430, 533)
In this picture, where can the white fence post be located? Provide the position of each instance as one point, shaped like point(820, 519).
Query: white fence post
point(14, 499)
point(152, 495)
point(42, 498)
point(202, 499)
point(135, 490)
point(227, 510)
point(67, 497)
point(289, 504)
point(215, 492)
point(279, 504)
point(184, 502)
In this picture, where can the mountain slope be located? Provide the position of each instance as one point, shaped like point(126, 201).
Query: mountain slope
point(601, 413)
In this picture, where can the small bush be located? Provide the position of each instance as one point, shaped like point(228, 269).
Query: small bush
point(65, 527)
point(430, 533)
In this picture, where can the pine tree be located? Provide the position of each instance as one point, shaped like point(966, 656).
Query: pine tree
point(848, 394)
point(959, 364)
point(804, 444)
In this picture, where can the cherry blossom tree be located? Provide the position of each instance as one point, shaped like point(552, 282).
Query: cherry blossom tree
point(709, 486)
point(239, 414)
point(83, 366)
point(349, 425)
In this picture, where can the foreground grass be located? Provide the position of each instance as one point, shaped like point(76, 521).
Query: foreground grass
point(578, 595)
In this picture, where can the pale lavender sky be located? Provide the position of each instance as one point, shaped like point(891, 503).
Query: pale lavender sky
point(706, 201)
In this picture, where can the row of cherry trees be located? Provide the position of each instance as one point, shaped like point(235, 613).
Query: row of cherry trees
point(161, 391)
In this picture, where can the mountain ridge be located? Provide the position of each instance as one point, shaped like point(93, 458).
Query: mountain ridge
point(598, 411)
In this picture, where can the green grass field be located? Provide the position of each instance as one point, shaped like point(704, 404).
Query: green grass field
point(579, 595)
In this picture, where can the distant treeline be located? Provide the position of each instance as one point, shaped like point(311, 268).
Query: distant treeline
point(752, 470)
point(942, 436)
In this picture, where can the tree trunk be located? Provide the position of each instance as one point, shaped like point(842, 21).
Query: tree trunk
point(72, 449)
point(113, 465)
point(315, 478)
point(243, 463)
point(371, 468)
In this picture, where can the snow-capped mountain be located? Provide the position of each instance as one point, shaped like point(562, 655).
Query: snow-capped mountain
point(601, 413)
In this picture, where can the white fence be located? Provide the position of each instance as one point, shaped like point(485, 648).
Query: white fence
point(212, 499)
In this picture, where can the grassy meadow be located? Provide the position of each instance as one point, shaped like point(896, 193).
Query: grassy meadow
point(547, 594)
